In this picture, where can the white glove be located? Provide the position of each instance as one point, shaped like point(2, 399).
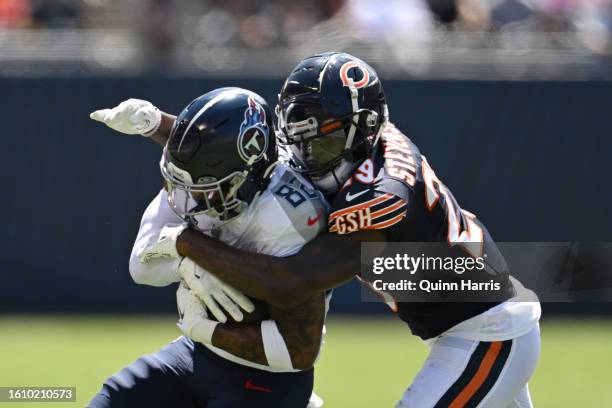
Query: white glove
point(133, 116)
point(165, 247)
point(193, 319)
point(217, 295)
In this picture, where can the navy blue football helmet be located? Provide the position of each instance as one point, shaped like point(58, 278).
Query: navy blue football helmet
point(218, 154)
point(331, 111)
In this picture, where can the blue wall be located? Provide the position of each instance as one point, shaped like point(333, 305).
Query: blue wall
point(531, 159)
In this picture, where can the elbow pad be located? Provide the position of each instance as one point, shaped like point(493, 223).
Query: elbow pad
point(276, 350)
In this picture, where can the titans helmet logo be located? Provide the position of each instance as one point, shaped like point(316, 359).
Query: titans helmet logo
point(254, 133)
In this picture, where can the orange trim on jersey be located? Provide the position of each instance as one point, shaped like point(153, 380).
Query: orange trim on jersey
point(389, 209)
point(357, 207)
point(333, 228)
point(479, 378)
point(389, 222)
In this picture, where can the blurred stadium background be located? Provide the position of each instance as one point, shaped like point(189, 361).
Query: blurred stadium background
point(511, 100)
point(460, 39)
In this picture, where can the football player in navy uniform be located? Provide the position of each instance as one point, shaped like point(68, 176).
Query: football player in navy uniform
point(333, 118)
point(222, 178)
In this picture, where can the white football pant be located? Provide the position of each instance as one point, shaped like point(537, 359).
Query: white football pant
point(467, 373)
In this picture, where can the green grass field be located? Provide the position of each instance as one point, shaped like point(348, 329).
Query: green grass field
point(365, 363)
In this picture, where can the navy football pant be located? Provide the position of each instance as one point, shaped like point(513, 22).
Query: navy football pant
point(184, 374)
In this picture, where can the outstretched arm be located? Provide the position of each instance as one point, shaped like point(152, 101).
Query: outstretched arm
point(161, 135)
point(137, 117)
point(325, 262)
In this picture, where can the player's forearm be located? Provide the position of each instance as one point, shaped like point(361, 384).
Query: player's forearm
point(302, 329)
point(263, 277)
point(163, 132)
point(324, 263)
point(244, 341)
point(297, 332)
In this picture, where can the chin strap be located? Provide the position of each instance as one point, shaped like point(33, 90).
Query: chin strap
point(355, 105)
point(269, 169)
point(383, 123)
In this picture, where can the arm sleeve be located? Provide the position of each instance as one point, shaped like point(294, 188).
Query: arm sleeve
point(160, 271)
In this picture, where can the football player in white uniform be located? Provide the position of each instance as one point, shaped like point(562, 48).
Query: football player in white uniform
point(334, 118)
point(222, 177)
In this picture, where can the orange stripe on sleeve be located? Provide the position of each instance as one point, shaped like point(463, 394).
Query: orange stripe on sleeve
point(356, 207)
point(389, 222)
point(481, 375)
point(389, 209)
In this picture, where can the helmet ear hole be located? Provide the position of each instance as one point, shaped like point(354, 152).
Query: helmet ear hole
point(371, 119)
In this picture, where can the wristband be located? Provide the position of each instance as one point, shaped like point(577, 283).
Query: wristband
point(158, 120)
point(276, 350)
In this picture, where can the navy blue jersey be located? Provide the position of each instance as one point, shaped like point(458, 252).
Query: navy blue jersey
point(396, 190)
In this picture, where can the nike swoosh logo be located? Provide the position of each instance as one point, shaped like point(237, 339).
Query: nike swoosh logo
point(313, 221)
point(351, 197)
point(250, 386)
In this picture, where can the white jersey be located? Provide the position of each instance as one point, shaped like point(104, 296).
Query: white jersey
point(278, 222)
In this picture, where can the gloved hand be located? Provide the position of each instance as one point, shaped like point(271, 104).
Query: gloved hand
point(133, 116)
point(165, 247)
point(216, 295)
point(193, 319)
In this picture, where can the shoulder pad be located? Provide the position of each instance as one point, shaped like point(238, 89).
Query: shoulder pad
point(305, 208)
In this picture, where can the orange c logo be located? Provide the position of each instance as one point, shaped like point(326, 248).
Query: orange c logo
point(347, 81)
